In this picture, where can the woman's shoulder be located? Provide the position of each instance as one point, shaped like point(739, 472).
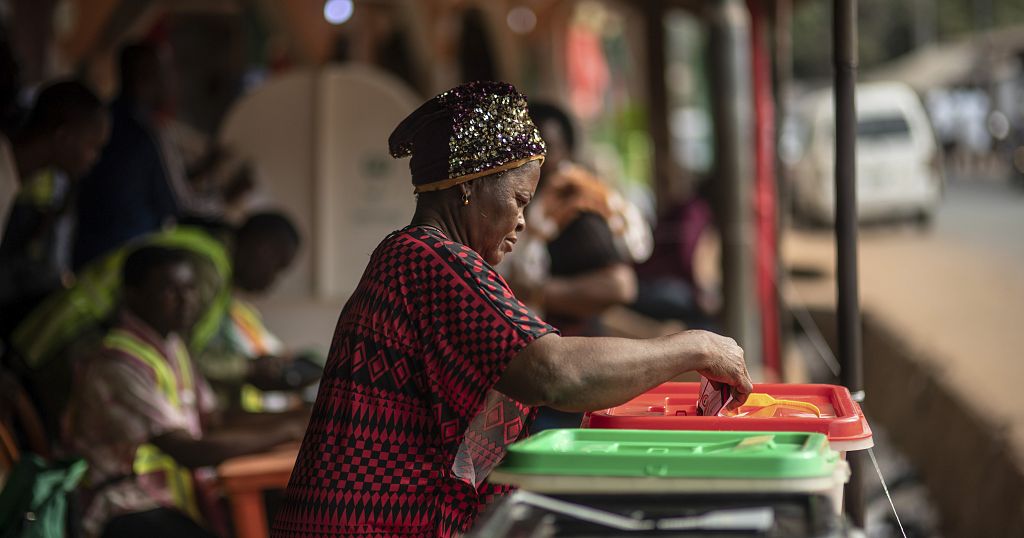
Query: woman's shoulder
point(406, 242)
point(435, 258)
point(424, 250)
point(428, 242)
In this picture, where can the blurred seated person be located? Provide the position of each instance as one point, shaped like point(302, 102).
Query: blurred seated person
point(580, 243)
point(209, 180)
point(248, 365)
point(144, 417)
point(679, 280)
point(128, 193)
point(68, 325)
point(60, 141)
point(581, 239)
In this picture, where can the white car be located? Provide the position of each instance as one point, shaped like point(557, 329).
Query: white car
point(899, 170)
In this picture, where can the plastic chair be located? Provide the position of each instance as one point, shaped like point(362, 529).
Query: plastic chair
point(19, 419)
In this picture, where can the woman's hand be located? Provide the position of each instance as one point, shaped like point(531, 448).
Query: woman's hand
point(722, 361)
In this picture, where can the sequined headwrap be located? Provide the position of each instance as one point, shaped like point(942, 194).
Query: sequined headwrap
point(470, 131)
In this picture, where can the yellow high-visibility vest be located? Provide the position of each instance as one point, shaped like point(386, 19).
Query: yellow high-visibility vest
point(148, 458)
point(64, 316)
point(255, 340)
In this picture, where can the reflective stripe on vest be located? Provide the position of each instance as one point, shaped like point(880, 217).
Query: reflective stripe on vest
point(149, 458)
point(250, 327)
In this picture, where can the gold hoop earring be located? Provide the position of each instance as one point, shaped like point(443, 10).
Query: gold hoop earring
point(465, 198)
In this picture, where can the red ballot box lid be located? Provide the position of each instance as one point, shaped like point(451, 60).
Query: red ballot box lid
point(673, 406)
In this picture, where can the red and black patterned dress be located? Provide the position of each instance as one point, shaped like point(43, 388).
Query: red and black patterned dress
point(407, 425)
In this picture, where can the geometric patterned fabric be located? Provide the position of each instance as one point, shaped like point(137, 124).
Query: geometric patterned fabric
point(407, 425)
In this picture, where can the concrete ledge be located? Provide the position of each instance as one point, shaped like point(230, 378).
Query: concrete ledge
point(964, 457)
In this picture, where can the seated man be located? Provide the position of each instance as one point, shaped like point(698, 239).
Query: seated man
point(143, 417)
point(243, 356)
point(61, 140)
point(68, 324)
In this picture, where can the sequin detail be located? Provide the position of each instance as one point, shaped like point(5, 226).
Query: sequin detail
point(491, 129)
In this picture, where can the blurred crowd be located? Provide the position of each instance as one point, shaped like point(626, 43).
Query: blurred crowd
point(130, 258)
point(126, 273)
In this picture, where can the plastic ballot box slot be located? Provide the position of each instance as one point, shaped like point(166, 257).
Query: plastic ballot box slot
point(826, 409)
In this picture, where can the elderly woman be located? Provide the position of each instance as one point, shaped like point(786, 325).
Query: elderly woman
point(435, 365)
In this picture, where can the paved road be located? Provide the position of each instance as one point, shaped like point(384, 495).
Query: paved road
point(955, 292)
point(985, 216)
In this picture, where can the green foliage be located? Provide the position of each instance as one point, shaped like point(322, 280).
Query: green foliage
point(812, 26)
point(626, 131)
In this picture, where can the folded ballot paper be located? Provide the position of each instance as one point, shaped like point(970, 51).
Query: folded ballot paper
point(713, 397)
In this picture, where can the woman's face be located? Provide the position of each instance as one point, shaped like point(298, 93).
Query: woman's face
point(494, 216)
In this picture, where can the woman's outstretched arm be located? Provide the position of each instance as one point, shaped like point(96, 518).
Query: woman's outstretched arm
point(589, 373)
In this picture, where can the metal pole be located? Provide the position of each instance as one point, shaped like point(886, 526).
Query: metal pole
point(844, 32)
point(657, 99)
point(732, 104)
